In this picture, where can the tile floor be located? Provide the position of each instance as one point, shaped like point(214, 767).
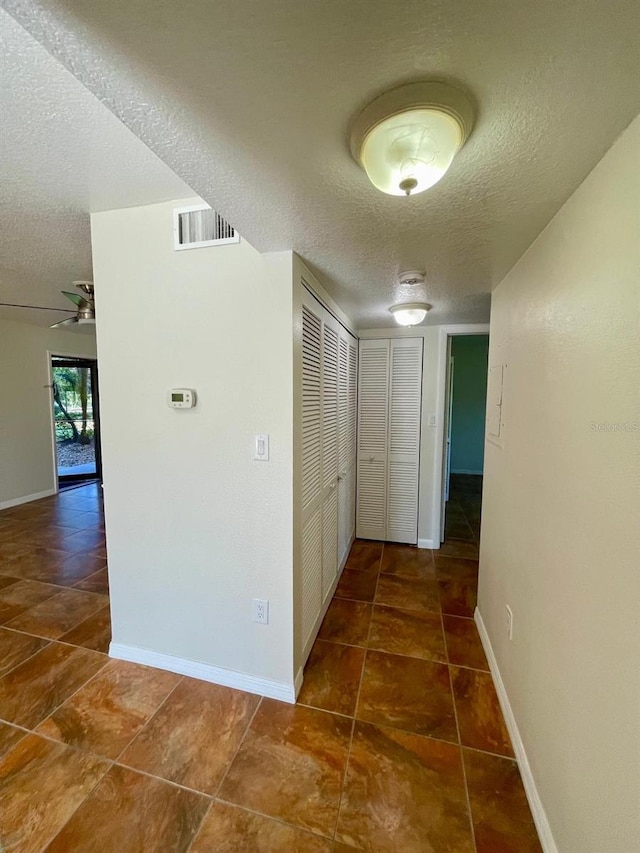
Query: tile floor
point(396, 744)
point(462, 519)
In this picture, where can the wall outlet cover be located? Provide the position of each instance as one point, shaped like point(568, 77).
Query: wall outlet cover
point(260, 611)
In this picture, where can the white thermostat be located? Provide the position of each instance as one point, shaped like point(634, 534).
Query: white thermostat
point(181, 398)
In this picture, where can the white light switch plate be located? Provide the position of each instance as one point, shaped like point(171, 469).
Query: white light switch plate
point(261, 452)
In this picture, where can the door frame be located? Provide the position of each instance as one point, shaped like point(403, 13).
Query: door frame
point(445, 333)
point(93, 362)
point(448, 411)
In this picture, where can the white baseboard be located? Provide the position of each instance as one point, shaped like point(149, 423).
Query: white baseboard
point(535, 803)
point(25, 499)
point(427, 543)
point(205, 672)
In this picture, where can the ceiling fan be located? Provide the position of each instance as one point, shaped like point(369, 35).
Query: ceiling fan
point(85, 308)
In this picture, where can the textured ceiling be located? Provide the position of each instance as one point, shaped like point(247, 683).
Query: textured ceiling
point(62, 155)
point(250, 102)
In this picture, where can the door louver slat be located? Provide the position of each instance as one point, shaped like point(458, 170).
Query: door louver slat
point(329, 406)
point(311, 572)
point(311, 408)
point(343, 404)
point(374, 367)
point(329, 542)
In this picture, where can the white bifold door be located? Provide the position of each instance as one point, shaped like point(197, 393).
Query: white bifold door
point(328, 439)
point(389, 407)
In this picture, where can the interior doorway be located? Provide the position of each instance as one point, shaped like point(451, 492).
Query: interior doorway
point(465, 397)
point(76, 419)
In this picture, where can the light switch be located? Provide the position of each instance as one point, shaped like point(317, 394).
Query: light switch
point(262, 448)
point(432, 420)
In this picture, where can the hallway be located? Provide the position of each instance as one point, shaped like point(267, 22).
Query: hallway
point(463, 509)
point(397, 741)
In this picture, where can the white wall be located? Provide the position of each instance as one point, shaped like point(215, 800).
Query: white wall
point(560, 536)
point(27, 465)
point(195, 527)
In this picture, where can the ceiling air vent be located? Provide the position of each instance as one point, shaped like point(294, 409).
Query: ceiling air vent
point(196, 227)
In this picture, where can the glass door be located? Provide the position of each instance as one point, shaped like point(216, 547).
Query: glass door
point(76, 419)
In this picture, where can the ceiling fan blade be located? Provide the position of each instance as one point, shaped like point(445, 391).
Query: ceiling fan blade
point(77, 299)
point(70, 321)
point(37, 307)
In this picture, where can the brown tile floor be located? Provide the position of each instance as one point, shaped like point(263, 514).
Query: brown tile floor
point(462, 518)
point(396, 743)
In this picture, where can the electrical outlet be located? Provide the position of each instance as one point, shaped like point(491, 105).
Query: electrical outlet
point(261, 611)
point(508, 624)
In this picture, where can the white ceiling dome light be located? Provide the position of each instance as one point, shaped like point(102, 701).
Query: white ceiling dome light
point(406, 139)
point(410, 313)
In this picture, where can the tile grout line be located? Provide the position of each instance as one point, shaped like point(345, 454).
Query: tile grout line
point(374, 603)
point(23, 634)
point(9, 627)
point(162, 780)
point(88, 577)
point(357, 702)
point(413, 733)
point(79, 750)
point(279, 820)
point(455, 714)
point(75, 692)
point(148, 721)
point(81, 803)
point(397, 654)
point(240, 743)
point(215, 797)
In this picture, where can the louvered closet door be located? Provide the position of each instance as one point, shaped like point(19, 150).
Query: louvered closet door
point(312, 405)
point(328, 445)
point(373, 405)
point(353, 436)
point(347, 378)
point(330, 356)
point(405, 399)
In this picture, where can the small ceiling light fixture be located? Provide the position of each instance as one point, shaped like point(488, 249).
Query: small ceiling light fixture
point(411, 313)
point(406, 139)
point(412, 277)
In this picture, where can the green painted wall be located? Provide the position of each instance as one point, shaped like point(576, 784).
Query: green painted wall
point(470, 354)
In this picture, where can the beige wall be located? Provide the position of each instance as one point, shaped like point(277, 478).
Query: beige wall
point(195, 527)
point(27, 467)
point(560, 537)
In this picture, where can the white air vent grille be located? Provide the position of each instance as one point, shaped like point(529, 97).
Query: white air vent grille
point(196, 227)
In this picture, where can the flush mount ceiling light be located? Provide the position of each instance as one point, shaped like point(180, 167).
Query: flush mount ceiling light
point(410, 314)
point(412, 277)
point(406, 139)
